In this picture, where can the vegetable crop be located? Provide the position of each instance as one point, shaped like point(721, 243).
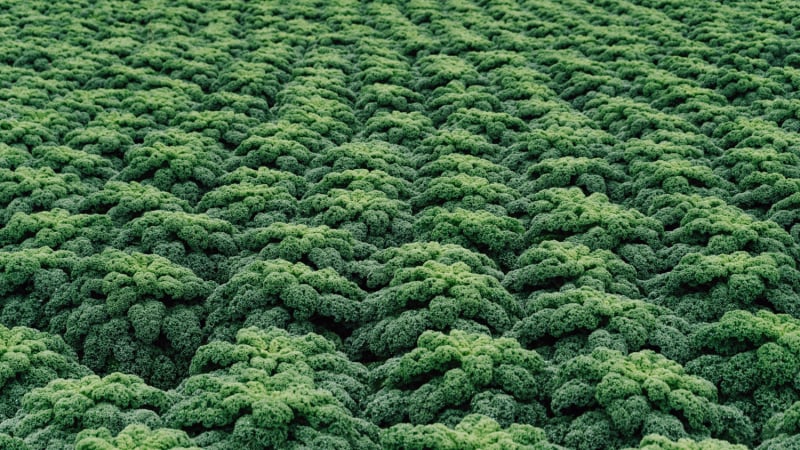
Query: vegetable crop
point(423, 224)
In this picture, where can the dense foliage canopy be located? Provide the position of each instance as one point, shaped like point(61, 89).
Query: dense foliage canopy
point(423, 224)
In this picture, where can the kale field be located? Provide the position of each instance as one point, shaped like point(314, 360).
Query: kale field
point(421, 224)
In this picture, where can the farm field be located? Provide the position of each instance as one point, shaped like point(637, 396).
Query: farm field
point(423, 224)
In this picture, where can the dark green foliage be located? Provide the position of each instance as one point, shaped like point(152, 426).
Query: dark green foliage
point(518, 221)
point(51, 417)
point(710, 226)
point(93, 169)
point(317, 247)
point(406, 129)
point(371, 216)
point(57, 228)
point(607, 397)
point(131, 312)
point(284, 154)
point(135, 436)
point(448, 376)
point(432, 296)
point(559, 140)
point(456, 142)
point(753, 359)
point(288, 133)
point(366, 180)
point(273, 390)
point(288, 295)
point(784, 212)
point(658, 442)
point(498, 127)
point(704, 287)
point(473, 432)
point(572, 321)
point(494, 235)
point(467, 192)
point(439, 70)
point(568, 214)
point(369, 155)
point(454, 164)
point(781, 430)
point(446, 100)
point(125, 201)
point(628, 119)
point(30, 359)
point(194, 241)
point(389, 261)
point(590, 174)
point(249, 197)
point(672, 176)
point(168, 166)
point(554, 265)
point(764, 176)
point(28, 189)
point(384, 97)
point(12, 443)
point(29, 278)
point(13, 157)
